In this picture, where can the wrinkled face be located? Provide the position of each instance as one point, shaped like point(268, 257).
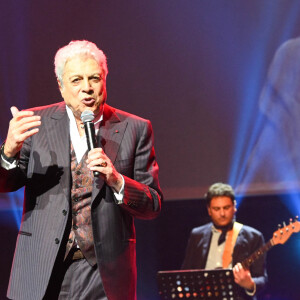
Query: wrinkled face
point(221, 210)
point(84, 85)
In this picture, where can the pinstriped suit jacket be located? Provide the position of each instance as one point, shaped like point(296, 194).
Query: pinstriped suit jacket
point(44, 169)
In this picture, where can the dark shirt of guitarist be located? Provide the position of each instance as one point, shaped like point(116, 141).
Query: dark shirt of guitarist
point(225, 243)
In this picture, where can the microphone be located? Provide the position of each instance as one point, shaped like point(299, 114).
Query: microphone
point(87, 118)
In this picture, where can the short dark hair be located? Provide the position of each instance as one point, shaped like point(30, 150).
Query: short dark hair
point(219, 189)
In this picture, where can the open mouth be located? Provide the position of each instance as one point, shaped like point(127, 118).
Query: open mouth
point(88, 101)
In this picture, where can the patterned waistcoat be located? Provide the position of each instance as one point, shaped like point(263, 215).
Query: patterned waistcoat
point(81, 192)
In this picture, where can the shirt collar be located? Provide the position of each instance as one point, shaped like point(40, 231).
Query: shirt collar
point(79, 143)
point(73, 121)
point(214, 229)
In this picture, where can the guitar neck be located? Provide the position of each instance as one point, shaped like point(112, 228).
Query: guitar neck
point(257, 254)
point(279, 237)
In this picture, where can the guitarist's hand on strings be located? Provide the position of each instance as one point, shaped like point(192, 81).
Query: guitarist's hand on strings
point(243, 278)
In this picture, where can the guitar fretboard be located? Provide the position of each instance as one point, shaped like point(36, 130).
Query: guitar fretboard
point(257, 254)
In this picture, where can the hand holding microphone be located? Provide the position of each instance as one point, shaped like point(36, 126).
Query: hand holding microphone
point(111, 176)
point(87, 117)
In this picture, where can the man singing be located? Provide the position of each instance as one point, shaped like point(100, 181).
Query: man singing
point(77, 236)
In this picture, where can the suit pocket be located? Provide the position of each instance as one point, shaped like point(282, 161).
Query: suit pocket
point(25, 233)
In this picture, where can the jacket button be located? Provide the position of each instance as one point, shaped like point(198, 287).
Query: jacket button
point(64, 212)
point(56, 241)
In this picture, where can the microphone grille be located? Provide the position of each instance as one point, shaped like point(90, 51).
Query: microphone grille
point(87, 116)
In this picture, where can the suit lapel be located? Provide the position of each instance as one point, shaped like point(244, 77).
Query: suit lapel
point(58, 137)
point(206, 239)
point(109, 138)
point(111, 133)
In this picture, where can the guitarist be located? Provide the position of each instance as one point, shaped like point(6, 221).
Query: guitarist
point(225, 243)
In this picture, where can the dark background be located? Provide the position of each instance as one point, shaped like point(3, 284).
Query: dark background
point(196, 69)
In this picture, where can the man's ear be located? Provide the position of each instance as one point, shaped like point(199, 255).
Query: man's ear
point(208, 210)
point(60, 86)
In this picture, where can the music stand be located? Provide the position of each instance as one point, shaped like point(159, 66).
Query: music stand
point(197, 284)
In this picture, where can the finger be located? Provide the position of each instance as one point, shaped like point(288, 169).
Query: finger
point(96, 154)
point(28, 123)
point(101, 162)
point(236, 267)
point(14, 111)
point(29, 126)
point(236, 277)
point(20, 124)
point(25, 135)
point(27, 114)
point(22, 117)
point(21, 113)
point(30, 133)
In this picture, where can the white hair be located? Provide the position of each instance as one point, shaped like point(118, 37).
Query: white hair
point(78, 48)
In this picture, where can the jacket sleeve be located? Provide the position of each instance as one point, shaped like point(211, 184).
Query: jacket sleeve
point(258, 268)
point(142, 193)
point(13, 179)
point(197, 248)
point(189, 253)
point(250, 241)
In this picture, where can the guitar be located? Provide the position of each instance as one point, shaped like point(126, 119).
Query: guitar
point(280, 236)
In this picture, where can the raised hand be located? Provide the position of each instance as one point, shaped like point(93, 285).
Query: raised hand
point(22, 126)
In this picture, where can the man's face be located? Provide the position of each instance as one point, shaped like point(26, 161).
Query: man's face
point(84, 85)
point(221, 210)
